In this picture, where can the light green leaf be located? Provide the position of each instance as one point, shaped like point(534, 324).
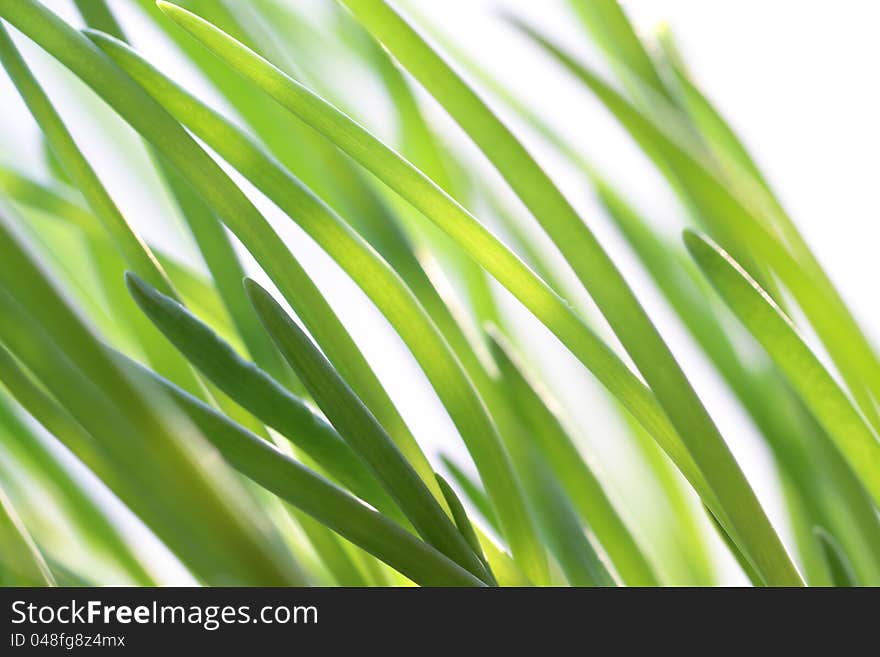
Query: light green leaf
point(257, 392)
point(363, 433)
point(806, 374)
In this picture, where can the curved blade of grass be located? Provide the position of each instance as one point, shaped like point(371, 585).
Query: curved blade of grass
point(333, 555)
point(554, 445)
point(560, 522)
point(473, 492)
point(124, 481)
point(421, 146)
point(612, 30)
point(257, 392)
point(136, 253)
point(842, 573)
point(683, 457)
point(677, 128)
point(265, 465)
point(754, 577)
point(213, 552)
point(330, 174)
point(377, 279)
point(130, 246)
point(697, 560)
point(740, 224)
point(58, 203)
point(459, 515)
point(806, 374)
point(363, 433)
point(580, 560)
point(21, 562)
point(229, 203)
point(612, 295)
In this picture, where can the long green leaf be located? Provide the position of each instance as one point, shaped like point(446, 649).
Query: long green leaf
point(363, 433)
point(806, 374)
point(59, 202)
point(801, 449)
point(138, 255)
point(612, 30)
point(78, 504)
point(473, 492)
point(258, 393)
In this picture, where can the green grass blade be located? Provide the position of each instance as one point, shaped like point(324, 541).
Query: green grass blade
point(850, 348)
point(612, 30)
point(257, 392)
point(462, 521)
point(329, 547)
point(473, 492)
point(210, 236)
point(61, 203)
point(676, 130)
point(800, 448)
point(97, 14)
point(579, 559)
point(227, 271)
point(806, 374)
point(129, 244)
point(472, 236)
point(753, 576)
point(362, 432)
point(136, 253)
point(510, 271)
point(314, 495)
point(212, 240)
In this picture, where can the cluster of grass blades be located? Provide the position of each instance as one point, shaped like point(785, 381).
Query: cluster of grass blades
point(248, 433)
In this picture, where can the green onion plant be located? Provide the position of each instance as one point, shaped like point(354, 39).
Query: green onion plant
point(217, 404)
